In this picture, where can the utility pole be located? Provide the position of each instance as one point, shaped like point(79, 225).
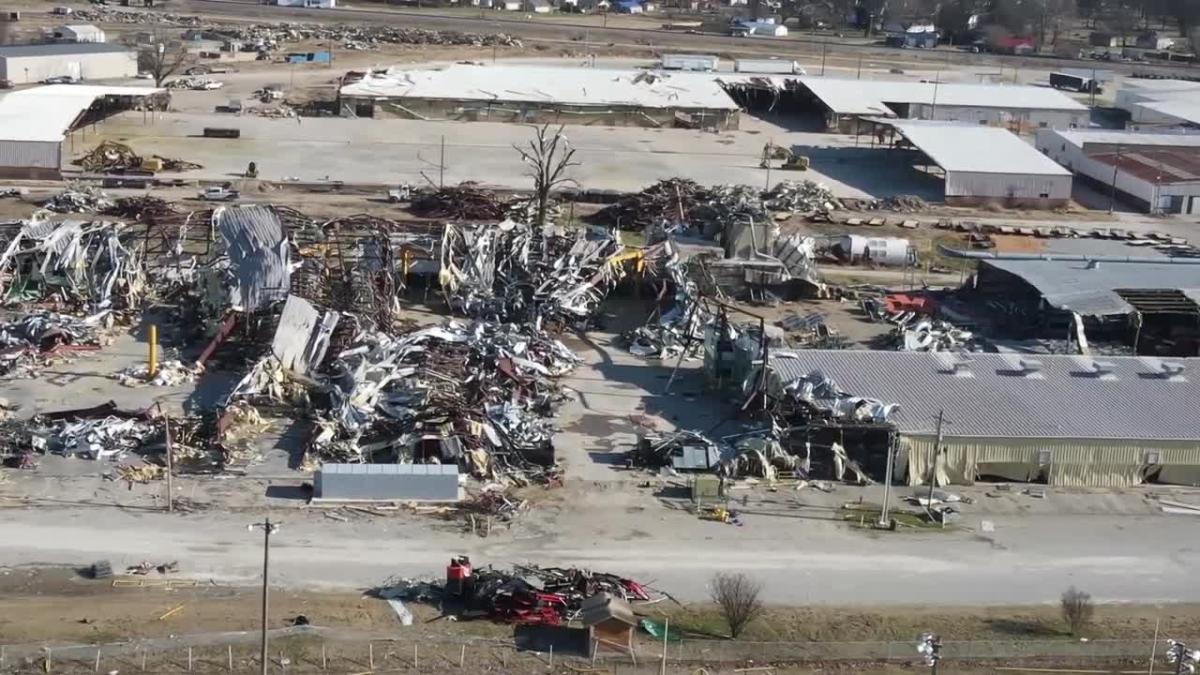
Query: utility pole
point(1112, 188)
point(937, 448)
point(887, 481)
point(859, 75)
point(936, 81)
point(268, 528)
point(824, 44)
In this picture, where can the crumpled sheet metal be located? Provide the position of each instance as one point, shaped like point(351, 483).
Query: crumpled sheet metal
point(86, 262)
point(469, 387)
point(519, 273)
point(822, 393)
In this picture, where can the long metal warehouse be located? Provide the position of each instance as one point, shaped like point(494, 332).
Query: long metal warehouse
point(986, 164)
point(27, 64)
point(1067, 420)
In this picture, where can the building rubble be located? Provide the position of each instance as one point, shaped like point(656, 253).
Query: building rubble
point(821, 394)
point(79, 199)
point(465, 201)
point(516, 272)
point(85, 264)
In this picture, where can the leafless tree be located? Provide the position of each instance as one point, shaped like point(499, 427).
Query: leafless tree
point(162, 58)
point(549, 158)
point(1077, 609)
point(737, 596)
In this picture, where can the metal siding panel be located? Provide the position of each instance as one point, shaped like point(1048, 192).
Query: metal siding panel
point(37, 154)
point(388, 482)
point(1021, 186)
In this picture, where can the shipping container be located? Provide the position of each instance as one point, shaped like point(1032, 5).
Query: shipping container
point(704, 62)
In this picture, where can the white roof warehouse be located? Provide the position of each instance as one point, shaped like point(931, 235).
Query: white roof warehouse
point(539, 93)
point(34, 123)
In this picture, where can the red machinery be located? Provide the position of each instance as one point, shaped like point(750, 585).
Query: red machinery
point(458, 576)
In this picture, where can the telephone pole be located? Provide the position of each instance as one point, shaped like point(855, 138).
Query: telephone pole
point(937, 449)
point(268, 529)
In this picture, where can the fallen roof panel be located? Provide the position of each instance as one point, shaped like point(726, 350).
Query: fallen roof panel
point(1090, 287)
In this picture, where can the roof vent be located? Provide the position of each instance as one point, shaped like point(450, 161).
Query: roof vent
point(1093, 264)
point(1030, 368)
point(1164, 370)
point(1101, 370)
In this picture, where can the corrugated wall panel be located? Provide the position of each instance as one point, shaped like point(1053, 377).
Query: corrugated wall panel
point(1072, 462)
point(24, 154)
point(1018, 186)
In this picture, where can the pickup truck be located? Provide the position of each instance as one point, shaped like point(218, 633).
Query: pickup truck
point(218, 194)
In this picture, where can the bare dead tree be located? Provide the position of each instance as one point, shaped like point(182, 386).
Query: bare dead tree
point(162, 58)
point(549, 158)
point(737, 596)
point(1077, 609)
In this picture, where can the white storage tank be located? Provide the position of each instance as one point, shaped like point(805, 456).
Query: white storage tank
point(856, 248)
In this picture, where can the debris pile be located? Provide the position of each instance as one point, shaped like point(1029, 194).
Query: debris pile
point(465, 201)
point(269, 36)
point(77, 199)
point(83, 264)
point(518, 273)
point(525, 595)
point(931, 335)
point(194, 83)
point(169, 374)
point(821, 394)
point(801, 197)
point(111, 156)
point(681, 451)
point(141, 208)
point(667, 201)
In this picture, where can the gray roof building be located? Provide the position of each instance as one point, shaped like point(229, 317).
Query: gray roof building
point(1090, 287)
point(61, 48)
point(1018, 396)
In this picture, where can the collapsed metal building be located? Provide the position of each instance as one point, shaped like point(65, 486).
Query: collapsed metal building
point(1062, 420)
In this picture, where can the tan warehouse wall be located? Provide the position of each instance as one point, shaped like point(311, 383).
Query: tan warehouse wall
point(1072, 462)
point(103, 66)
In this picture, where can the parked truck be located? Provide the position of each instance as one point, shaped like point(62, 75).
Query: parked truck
point(702, 62)
point(1072, 82)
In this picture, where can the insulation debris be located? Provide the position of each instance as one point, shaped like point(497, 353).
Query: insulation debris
point(85, 264)
point(194, 83)
point(170, 373)
point(822, 394)
point(801, 197)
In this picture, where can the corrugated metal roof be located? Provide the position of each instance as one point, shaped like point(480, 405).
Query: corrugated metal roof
point(1065, 399)
point(1090, 288)
point(1182, 109)
point(1080, 138)
point(258, 254)
point(976, 149)
point(46, 113)
point(544, 84)
point(868, 97)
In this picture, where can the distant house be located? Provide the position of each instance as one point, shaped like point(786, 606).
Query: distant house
point(507, 5)
point(912, 40)
point(628, 7)
point(538, 6)
point(1100, 39)
point(1154, 40)
point(77, 33)
point(1009, 44)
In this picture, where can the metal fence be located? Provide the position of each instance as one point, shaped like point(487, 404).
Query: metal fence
point(316, 650)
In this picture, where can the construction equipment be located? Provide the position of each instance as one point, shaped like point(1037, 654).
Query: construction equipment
point(791, 161)
point(719, 514)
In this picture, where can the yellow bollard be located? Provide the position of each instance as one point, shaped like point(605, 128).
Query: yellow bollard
point(152, 365)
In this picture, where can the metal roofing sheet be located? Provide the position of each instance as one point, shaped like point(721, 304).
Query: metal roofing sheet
point(1184, 109)
point(544, 84)
point(1065, 399)
point(46, 113)
point(976, 149)
point(258, 254)
point(1089, 288)
point(868, 97)
point(1080, 138)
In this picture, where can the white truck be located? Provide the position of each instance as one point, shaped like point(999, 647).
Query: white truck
point(771, 66)
point(702, 62)
point(218, 193)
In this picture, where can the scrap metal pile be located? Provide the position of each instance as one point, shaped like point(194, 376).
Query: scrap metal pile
point(678, 204)
point(76, 199)
point(268, 36)
point(111, 156)
point(518, 273)
point(101, 433)
point(34, 339)
point(465, 201)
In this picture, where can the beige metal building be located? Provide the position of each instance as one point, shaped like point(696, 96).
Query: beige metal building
point(28, 64)
point(1063, 420)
